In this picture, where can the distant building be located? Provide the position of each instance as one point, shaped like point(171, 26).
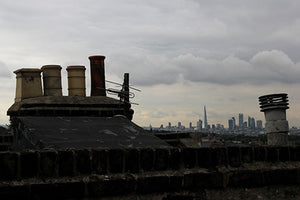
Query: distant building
point(179, 125)
point(213, 126)
point(234, 124)
point(205, 119)
point(251, 123)
point(199, 125)
point(241, 120)
point(259, 125)
point(191, 125)
point(230, 124)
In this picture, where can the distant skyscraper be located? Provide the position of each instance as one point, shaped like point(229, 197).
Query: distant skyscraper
point(233, 121)
point(230, 124)
point(213, 126)
point(259, 125)
point(179, 125)
point(241, 120)
point(205, 118)
point(251, 123)
point(191, 125)
point(199, 125)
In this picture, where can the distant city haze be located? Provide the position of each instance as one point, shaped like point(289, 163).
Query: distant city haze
point(182, 54)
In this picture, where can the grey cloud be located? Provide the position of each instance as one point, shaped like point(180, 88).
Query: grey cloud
point(4, 72)
point(159, 42)
point(264, 67)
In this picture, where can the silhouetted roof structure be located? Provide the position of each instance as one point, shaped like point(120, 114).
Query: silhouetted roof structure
point(83, 132)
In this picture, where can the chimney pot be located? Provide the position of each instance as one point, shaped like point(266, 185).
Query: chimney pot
point(274, 107)
point(52, 80)
point(76, 80)
point(28, 83)
point(97, 75)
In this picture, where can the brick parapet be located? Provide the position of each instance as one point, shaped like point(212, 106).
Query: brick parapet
point(81, 162)
point(148, 184)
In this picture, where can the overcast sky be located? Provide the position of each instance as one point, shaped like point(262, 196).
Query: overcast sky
point(182, 54)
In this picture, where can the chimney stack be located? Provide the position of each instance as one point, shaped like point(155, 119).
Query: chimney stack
point(52, 80)
point(274, 106)
point(97, 76)
point(76, 80)
point(28, 83)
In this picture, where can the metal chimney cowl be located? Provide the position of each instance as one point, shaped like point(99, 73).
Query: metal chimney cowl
point(274, 107)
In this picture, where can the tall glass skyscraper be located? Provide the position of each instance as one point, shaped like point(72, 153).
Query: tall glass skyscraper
point(241, 120)
point(205, 119)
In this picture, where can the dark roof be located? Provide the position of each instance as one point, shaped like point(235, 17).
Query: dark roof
point(100, 106)
point(84, 132)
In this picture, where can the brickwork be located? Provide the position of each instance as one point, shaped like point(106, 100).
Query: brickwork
point(93, 173)
point(69, 163)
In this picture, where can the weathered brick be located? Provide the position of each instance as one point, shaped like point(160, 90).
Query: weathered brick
point(151, 184)
point(260, 153)
point(176, 182)
point(284, 153)
point(272, 154)
point(83, 161)
point(196, 180)
point(99, 161)
point(234, 156)
point(65, 163)
point(246, 154)
point(147, 159)
point(294, 152)
point(132, 163)
point(281, 176)
point(219, 156)
point(189, 157)
point(29, 164)
point(48, 164)
point(175, 159)
point(15, 191)
point(205, 158)
point(116, 160)
point(102, 186)
point(70, 190)
point(246, 178)
point(8, 165)
point(161, 159)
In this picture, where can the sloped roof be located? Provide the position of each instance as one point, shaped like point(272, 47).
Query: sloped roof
point(84, 132)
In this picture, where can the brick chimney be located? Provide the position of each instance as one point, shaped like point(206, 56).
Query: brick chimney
point(28, 83)
point(52, 80)
point(76, 80)
point(97, 76)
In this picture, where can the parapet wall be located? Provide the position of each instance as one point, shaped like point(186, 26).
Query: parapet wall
point(146, 173)
point(70, 163)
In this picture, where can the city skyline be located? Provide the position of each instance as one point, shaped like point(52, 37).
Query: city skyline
point(181, 55)
point(241, 122)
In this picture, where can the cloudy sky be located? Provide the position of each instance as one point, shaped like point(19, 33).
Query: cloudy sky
point(182, 54)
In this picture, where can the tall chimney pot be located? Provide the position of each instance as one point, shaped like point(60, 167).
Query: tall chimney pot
point(52, 80)
point(97, 76)
point(76, 80)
